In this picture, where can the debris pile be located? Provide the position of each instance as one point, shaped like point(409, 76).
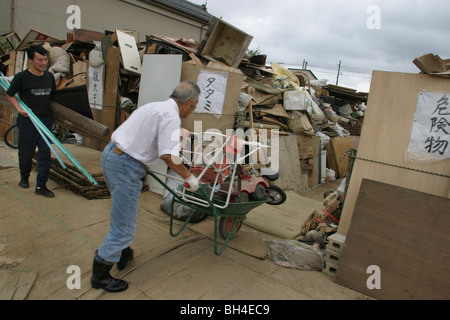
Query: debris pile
point(105, 70)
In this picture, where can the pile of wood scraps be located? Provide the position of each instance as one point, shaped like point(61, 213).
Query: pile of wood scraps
point(72, 179)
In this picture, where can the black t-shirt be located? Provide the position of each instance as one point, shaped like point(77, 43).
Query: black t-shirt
point(35, 91)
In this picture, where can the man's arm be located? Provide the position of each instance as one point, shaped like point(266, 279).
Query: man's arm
point(13, 101)
point(180, 169)
point(191, 182)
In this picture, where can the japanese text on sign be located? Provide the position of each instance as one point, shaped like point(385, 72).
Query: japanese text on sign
point(431, 130)
point(213, 87)
point(95, 81)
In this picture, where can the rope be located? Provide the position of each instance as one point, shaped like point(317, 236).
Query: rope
point(397, 166)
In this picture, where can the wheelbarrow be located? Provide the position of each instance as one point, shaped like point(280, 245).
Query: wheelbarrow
point(228, 216)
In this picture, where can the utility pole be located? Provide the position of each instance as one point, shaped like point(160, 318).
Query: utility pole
point(339, 72)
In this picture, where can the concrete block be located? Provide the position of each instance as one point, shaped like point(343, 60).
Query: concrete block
point(332, 256)
point(330, 268)
point(336, 242)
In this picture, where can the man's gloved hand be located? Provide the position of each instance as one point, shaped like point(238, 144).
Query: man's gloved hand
point(191, 184)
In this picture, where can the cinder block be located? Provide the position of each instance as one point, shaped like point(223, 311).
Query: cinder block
point(332, 256)
point(330, 268)
point(336, 242)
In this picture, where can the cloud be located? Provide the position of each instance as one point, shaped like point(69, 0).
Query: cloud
point(324, 32)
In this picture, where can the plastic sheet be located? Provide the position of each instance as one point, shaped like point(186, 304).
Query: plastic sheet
point(294, 254)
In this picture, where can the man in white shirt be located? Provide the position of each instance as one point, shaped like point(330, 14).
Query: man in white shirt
point(149, 134)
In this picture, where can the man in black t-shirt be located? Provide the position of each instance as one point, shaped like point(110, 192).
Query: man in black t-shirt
point(34, 86)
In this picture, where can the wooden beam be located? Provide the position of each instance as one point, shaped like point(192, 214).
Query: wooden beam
point(78, 123)
point(111, 89)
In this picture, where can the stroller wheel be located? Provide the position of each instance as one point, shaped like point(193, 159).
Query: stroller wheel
point(277, 195)
point(226, 225)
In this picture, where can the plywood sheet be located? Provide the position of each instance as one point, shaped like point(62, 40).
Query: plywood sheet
point(244, 241)
point(385, 139)
point(284, 221)
point(405, 233)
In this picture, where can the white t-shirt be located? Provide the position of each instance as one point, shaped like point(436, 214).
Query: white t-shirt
point(151, 131)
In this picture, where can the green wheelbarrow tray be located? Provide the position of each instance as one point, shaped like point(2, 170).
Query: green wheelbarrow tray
point(227, 219)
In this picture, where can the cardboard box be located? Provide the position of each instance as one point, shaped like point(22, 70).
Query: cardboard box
point(231, 92)
point(225, 43)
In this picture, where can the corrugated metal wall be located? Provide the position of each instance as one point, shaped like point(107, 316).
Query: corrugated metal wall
point(50, 17)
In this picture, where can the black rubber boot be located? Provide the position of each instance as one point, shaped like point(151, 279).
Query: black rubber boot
point(126, 256)
point(101, 279)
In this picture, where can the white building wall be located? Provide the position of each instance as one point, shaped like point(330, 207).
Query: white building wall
point(50, 17)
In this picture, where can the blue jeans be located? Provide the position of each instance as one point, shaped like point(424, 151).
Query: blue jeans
point(123, 175)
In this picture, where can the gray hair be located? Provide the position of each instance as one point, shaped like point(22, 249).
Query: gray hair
point(186, 91)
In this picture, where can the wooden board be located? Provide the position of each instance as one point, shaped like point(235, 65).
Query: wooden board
point(244, 241)
point(309, 153)
point(403, 232)
point(385, 137)
point(111, 89)
point(336, 150)
point(284, 221)
point(289, 164)
point(16, 285)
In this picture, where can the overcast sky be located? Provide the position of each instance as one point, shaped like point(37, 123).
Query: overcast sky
point(364, 35)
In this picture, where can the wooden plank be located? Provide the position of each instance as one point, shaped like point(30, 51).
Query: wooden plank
point(78, 123)
point(111, 89)
point(405, 233)
point(16, 285)
point(87, 35)
point(385, 137)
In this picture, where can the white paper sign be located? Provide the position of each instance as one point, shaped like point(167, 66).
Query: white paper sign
point(430, 134)
point(95, 87)
point(213, 86)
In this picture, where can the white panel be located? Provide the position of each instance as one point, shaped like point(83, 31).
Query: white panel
point(161, 73)
point(129, 52)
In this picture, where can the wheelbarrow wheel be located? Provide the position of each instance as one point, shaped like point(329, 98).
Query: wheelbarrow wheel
point(226, 225)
